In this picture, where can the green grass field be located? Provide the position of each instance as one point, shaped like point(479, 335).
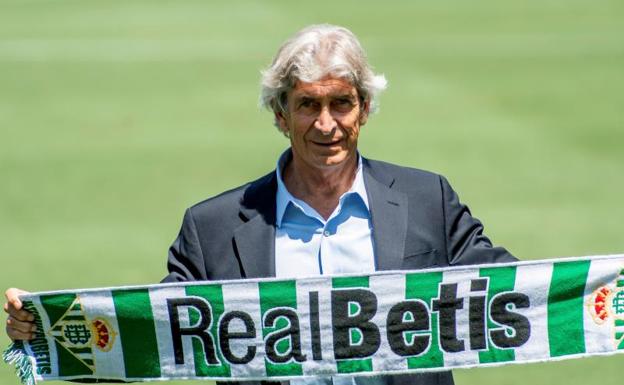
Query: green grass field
point(117, 115)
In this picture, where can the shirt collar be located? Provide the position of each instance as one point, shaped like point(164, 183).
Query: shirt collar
point(284, 197)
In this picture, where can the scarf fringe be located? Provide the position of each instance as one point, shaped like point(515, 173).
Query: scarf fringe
point(16, 355)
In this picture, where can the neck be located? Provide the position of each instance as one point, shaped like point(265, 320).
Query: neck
point(321, 188)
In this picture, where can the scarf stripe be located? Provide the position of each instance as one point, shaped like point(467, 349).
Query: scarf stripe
point(136, 326)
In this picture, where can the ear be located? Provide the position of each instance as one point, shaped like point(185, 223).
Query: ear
point(280, 122)
point(365, 110)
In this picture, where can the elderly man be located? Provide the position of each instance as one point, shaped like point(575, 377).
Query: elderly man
point(325, 209)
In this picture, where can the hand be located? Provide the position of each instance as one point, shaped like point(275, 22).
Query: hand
point(19, 324)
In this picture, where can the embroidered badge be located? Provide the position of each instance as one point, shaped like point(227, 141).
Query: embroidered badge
point(607, 302)
point(78, 335)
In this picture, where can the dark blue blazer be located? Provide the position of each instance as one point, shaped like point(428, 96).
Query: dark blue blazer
point(418, 222)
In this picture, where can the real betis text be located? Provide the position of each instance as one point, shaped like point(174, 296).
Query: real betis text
point(407, 332)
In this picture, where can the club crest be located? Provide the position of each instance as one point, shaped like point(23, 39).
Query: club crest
point(606, 304)
point(79, 335)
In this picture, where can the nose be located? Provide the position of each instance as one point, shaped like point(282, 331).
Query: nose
point(325, 122)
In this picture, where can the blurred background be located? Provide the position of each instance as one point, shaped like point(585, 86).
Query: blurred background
point(117, 115)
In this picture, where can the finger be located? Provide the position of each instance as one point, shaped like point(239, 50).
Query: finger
point(20, 315)
point(17, 335)
point(12, 295)
point(25, 327)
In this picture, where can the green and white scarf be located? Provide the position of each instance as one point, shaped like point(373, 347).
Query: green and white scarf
point(374, 324)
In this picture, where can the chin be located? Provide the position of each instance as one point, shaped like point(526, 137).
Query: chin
point(331, 161)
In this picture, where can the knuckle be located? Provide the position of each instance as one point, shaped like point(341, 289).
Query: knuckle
point(26, 316)
point(15, 325)
point(17, 335)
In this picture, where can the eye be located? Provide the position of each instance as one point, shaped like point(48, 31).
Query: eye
point(306, 103)
point(343, 104)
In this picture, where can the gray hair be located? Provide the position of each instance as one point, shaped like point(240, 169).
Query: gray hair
point(314, 53)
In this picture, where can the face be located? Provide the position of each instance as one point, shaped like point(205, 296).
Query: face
point(323, 121)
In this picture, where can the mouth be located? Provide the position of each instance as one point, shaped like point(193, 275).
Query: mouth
point(327, 144)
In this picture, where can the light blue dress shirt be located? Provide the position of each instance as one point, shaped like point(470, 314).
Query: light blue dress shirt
point(307, 245)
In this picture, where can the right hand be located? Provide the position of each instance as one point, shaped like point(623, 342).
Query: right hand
point(19, 324)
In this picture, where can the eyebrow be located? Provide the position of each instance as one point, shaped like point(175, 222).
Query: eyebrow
point(346, 96)
point(312, 97)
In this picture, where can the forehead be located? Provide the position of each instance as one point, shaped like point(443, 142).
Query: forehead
point(326, 87)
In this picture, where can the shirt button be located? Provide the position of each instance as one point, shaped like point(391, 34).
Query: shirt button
point(326, 233)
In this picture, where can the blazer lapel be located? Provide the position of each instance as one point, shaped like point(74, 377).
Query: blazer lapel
point(388, 209)
point(255, 238)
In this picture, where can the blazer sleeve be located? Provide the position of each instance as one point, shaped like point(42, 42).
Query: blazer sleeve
point(465, 242)
point(185, 260)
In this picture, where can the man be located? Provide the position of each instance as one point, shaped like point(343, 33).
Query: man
point(325, 209)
